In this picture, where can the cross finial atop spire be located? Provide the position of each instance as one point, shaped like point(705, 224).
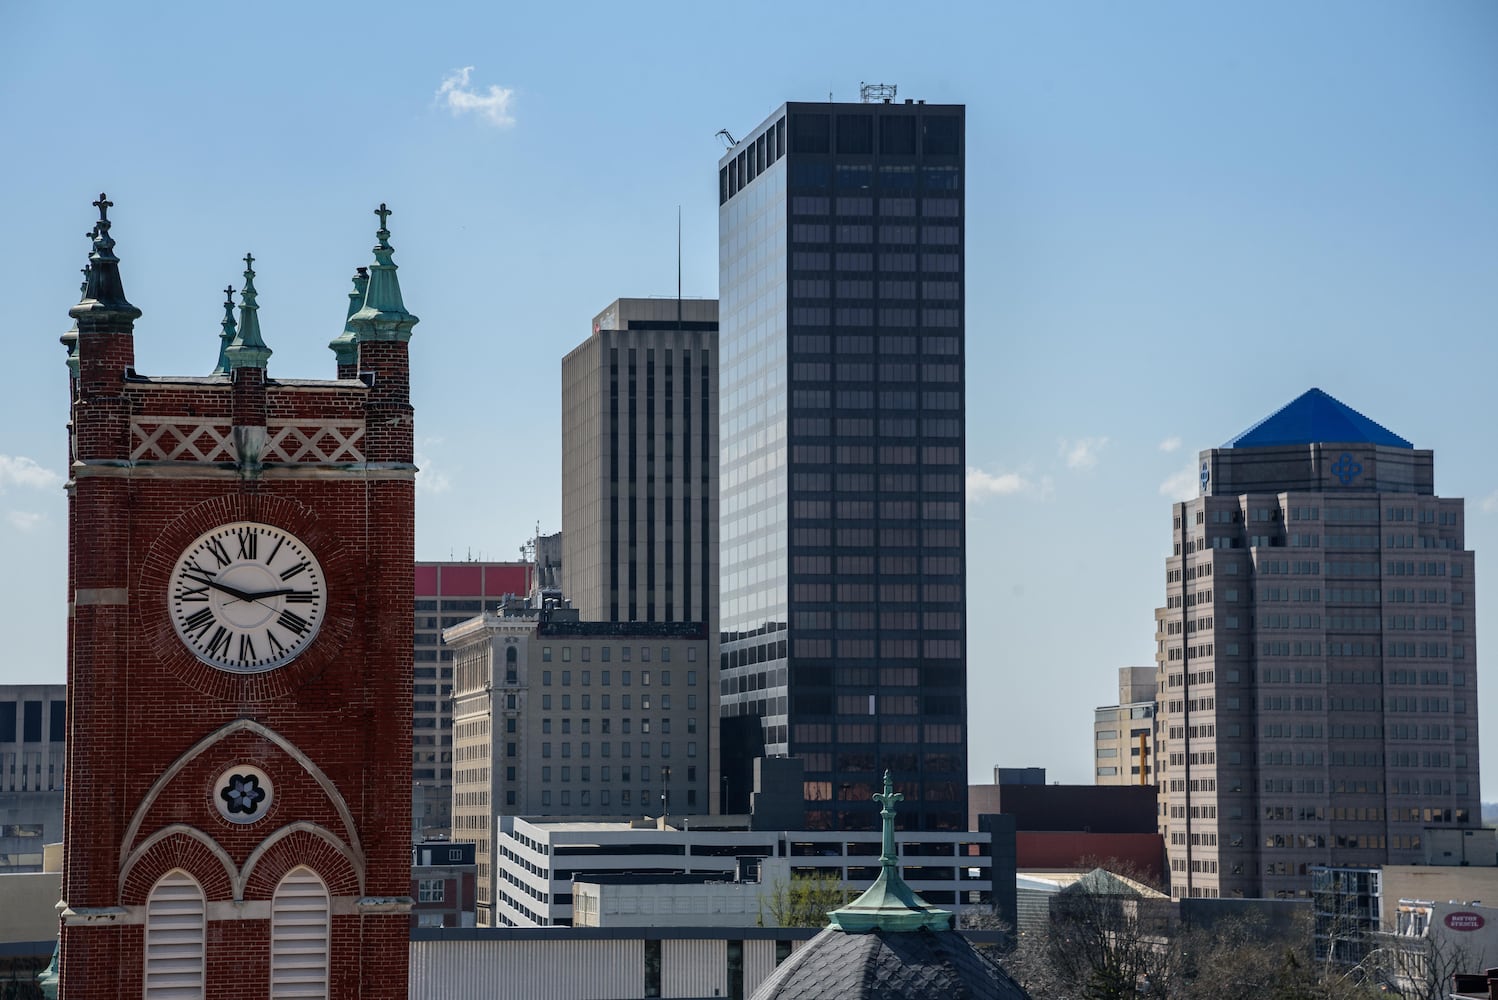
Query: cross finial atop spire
point(230, 330)
point(384, 315)
point(103, 293)
point(247, 349)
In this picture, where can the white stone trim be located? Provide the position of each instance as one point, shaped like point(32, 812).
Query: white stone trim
point(128, 864)
point(108, 596)
point(355, 849)
point(356, 861)
point(192, 470)
point(75, 915)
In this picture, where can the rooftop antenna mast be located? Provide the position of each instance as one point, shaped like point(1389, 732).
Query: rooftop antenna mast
point(678, 275)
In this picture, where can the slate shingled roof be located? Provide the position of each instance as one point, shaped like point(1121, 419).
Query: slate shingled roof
point(889, 965)
point(1315, 417)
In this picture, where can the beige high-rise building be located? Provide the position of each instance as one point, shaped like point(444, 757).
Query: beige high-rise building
point(1123, 734)
point(1317, 660)
point(640, 464)
point(564, 718)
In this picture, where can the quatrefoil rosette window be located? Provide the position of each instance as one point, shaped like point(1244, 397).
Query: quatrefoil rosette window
point(243, 794)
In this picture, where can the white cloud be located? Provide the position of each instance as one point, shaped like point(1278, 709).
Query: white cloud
point(1172, 443)
point(429, 479)
point(492, 105)
point(1082, 454)
point(23, 520)
point(1182, 485)
point(1490, 503)
point(18, 470)
point(984, 485)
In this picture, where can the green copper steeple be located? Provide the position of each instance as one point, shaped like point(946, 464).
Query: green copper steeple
point(384, 315)
point(889, 904)
point(248, 350)
point(226, 337)
point(69, 339)
point(103, 291)
point(346, 345)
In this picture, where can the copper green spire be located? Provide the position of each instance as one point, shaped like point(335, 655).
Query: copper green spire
point(69, 339)
point(384, 315)
point(227, 336)
point(346, 345)
point(889, 904)
point(248, 350)
point(103, 291)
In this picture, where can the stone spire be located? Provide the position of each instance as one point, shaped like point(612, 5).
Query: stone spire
point(889, 904)
point(103, 291)
point(346, 345)
point(248, 350)
point(69, 340)
point(384, 315)
point(229, 331)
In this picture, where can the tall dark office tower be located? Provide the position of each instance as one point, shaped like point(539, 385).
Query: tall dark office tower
point(842, 522)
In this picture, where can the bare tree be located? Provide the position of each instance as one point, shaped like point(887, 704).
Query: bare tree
point(1420, 968)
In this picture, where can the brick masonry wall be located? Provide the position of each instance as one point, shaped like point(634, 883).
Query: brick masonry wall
point(139, 700)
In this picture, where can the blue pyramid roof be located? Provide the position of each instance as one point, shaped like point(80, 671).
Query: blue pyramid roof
point(1314, 417)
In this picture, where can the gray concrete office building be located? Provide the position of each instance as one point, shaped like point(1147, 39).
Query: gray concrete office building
point(842, 526)
point(640, 464)
point(33, 749)
point(1316, 658)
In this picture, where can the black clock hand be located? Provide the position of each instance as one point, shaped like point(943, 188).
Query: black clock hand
point(239, 594)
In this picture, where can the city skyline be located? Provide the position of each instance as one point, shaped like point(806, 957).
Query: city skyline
point(1191, 210)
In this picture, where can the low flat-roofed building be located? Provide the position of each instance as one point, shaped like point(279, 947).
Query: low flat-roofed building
point(537, 860)
point(33, 749)
point(443, 882)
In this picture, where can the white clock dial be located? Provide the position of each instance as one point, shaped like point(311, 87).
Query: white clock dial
point(247, 597)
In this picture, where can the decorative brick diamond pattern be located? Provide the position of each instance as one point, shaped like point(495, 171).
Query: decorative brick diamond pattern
point(181, 439)
point(323, 443)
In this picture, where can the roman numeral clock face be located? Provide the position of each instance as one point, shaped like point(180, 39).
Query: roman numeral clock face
point(247, 597)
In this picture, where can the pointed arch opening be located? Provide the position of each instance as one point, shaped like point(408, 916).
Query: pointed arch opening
point(300, 936)
point(176, 938)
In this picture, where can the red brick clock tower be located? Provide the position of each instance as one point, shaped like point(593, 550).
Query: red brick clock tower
point(239, 684)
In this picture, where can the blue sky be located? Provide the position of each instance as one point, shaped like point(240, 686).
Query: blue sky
point(1180, 216)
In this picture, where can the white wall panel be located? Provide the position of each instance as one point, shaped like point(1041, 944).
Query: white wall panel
point(694, 968)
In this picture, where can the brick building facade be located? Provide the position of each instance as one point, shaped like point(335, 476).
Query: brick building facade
point(239, 679)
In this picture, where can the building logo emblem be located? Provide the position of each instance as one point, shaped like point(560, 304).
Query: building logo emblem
point(1347, 469)
point(1206, 476)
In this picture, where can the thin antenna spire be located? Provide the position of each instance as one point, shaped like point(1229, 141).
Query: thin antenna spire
point(678, 268)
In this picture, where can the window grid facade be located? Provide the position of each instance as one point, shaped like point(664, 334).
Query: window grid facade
point(1316, 672)
point(843, 550)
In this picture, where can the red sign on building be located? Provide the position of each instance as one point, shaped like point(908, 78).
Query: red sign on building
point(1464, 921)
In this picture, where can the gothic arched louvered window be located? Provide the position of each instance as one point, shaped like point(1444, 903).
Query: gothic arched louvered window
point(175, 938)
point(299, 936)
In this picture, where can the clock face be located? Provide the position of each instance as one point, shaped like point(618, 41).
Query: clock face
point(247, 597)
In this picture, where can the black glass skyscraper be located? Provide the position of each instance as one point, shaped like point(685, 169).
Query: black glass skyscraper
point(843, 565)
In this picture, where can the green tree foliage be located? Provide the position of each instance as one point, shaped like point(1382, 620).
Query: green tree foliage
point(803, 901)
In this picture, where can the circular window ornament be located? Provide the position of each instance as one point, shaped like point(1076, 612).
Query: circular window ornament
point(243, 794)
